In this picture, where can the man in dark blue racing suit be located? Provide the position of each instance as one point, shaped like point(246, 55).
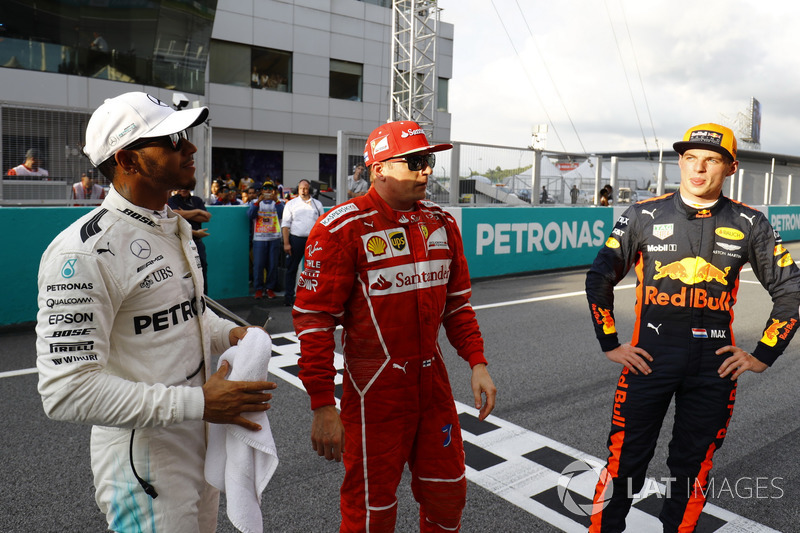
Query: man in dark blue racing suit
point(687, 249)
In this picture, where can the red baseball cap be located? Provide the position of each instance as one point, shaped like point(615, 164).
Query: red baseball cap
point(396, 139)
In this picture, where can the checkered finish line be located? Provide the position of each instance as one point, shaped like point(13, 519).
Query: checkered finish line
point(525, 468)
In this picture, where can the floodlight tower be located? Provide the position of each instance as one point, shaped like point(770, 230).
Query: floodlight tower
point(415, 25)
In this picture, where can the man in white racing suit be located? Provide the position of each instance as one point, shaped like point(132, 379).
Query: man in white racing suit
point(124, 337)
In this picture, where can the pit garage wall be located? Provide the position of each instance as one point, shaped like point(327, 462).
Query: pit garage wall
point(497, 242)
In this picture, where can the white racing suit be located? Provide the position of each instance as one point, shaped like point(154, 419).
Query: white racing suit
point(124, 342)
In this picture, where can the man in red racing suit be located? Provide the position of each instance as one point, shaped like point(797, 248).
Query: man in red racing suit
point(391, 270)
point(687, 249)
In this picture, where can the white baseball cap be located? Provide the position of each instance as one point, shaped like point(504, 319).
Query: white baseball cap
point(131, 116)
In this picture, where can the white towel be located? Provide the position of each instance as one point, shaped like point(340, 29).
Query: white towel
point(240, 462)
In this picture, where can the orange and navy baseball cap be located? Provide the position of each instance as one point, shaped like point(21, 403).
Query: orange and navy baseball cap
point(396, 139)
point(708, 137)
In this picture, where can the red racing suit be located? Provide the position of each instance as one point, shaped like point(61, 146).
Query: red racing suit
point(391, 279)
point(687, 263)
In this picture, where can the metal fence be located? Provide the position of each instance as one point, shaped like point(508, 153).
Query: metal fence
point(58, 135)
point(471, 174)
point(504, 175)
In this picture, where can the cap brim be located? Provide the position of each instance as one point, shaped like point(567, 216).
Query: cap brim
point(426, 149)
point(682, 146)
point(179, 121)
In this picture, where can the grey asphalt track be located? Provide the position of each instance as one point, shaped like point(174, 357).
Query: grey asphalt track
point(552, 380)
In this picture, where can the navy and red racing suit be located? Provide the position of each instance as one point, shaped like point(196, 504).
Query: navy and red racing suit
point(687, 263)
point(392, 279)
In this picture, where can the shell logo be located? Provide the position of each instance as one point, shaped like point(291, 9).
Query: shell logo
point(612, 242)
point(376, 245)
point(779, 249)
point(729, 233)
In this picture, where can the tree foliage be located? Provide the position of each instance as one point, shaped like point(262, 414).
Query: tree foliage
point(498, 175)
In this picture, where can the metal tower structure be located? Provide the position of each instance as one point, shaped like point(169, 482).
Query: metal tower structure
point(414, 28)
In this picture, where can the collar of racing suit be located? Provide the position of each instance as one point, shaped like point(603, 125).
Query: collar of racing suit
point(693, 213)
point(401, 217)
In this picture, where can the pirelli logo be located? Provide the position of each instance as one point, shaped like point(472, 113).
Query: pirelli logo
point(61, 347)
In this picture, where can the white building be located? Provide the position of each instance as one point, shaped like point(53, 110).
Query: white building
point(281, 77)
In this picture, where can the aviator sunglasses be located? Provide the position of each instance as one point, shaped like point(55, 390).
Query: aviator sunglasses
point(175, 139)
point(417, 162)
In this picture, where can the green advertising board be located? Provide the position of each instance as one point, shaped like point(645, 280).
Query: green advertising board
point(786, 221)
point(512, 240)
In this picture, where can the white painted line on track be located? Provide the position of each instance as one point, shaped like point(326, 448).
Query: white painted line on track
point(14, 373)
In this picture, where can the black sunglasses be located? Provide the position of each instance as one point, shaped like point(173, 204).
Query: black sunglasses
point(417, 162)
point(175, 139)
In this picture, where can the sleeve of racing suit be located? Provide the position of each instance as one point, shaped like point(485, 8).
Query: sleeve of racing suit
point(612, 263)
point(459, 319)
point(775, 269)
point(76, 387)
point(317, 311)
point(219, 329)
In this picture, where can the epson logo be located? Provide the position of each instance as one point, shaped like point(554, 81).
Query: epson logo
point(661, 248)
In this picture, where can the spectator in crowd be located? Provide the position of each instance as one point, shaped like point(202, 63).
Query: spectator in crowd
point(246, 197)
point(87, 189)
point(543, 198)
point(299, 216)
point(229, 182)
point(609, 194)
point(216, 185)
point(245, 183)
point(604, 196)
point(233, 197)
point(266, 213)
point(573, 194)
point(359, 184)
point(31, 166)
point(193, 209)
point(143, 374)
point(397, 407)
point(222, 197)
point(99, 43)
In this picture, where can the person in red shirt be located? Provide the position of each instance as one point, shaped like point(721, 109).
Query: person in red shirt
point(390, 268)
point(31, 165)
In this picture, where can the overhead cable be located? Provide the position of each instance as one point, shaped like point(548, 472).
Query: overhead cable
point(552, 81)
point(625, 73)
point(639, 72)
point(528, 75)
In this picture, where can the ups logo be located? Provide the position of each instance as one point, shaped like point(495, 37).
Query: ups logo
point(398, 240)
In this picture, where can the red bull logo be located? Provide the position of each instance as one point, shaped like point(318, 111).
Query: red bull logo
point(695, 297)
point(603, 316)
point(773, 331)
point(691, 270)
